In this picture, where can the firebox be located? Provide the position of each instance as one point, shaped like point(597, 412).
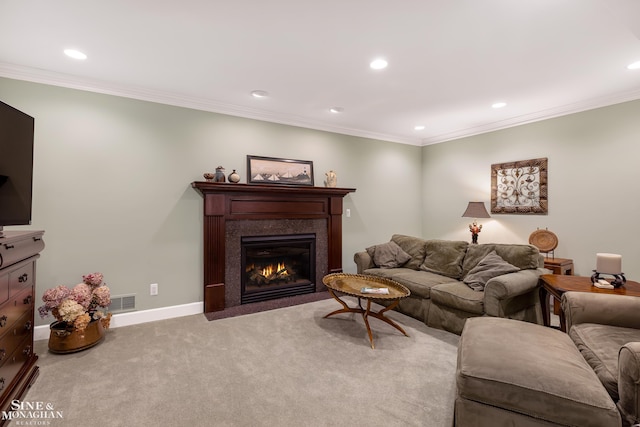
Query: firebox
point(277, 266)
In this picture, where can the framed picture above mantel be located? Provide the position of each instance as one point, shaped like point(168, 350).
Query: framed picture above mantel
point(273, 170)
point(520, 187)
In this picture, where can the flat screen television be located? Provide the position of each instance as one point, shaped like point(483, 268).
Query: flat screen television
point(16, 166)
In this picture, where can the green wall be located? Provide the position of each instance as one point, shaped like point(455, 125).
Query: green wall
point(594, 198)
point(112, 187)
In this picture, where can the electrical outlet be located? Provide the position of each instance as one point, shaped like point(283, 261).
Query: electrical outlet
point(348, 213)
point(153, 289)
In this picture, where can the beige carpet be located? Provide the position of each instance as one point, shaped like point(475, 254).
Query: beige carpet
point(285, 367)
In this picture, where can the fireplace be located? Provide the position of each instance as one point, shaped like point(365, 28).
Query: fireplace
point(235, 211)
point(277, 266)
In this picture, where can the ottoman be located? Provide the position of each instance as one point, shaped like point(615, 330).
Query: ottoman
point(513, 373)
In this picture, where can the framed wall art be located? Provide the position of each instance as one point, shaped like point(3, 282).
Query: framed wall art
point(272, 170)
point(519, 187)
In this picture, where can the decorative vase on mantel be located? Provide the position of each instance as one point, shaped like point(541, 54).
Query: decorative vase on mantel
point(234, 177)
point(64, 338)
point(219, 175)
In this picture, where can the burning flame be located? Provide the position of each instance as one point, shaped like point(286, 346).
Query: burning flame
point(271, 269)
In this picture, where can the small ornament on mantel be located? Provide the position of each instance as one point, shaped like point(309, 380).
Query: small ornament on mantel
point(208, 176)
point(234, 177)
point(219, 177)
point(331, 179)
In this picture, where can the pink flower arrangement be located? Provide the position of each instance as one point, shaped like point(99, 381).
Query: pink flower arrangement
point(80, 305)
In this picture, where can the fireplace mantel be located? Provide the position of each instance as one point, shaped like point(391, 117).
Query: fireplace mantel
point(232, 202)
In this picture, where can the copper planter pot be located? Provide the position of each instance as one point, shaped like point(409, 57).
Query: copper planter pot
point(63, 340)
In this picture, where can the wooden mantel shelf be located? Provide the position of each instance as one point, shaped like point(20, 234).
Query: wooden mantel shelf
point(231, 202)
point(216, 187)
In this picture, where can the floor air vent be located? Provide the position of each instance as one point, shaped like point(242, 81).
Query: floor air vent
point(120, 303)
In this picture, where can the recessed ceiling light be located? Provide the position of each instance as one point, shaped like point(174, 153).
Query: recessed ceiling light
point(75, 54)
point(259, 94)
point(419, 127)
point(634, 66)
point(336, 110)
point(499, 105)
point(378, 64)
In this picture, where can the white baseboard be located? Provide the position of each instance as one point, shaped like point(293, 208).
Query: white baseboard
point(137, 317)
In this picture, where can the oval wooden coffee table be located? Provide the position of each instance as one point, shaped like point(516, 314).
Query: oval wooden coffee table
point(352, 284)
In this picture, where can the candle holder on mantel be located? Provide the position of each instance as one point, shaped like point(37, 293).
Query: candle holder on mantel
point(618, 281)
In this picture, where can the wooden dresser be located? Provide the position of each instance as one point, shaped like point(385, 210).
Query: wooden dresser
point(19, 251)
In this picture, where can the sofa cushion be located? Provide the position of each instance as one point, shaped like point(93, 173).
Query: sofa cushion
point(599, 345)
point(491, 266)
point(414, 246)
point(532, 370)
point(444, 257)
point(418, 282)
point(388, 255)
point(522, 256)
point(388, 273)
point(459, 296)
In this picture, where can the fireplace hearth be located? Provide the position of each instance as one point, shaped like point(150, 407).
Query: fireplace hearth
point(277, 266)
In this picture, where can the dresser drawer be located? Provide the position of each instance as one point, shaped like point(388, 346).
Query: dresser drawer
point(13, 249)
point(20, 277)
point(12, 365)
point(14, 309)
point(17, 333)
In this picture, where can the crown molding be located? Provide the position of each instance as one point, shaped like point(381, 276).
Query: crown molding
point(90, 85)
point(35, 75)
point(577, 107)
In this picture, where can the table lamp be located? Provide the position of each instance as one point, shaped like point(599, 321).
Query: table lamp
point(475, 210)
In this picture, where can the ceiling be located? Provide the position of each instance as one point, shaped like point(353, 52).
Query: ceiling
point(449, 61)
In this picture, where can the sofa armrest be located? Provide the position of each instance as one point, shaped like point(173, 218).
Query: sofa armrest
point(363, 261)
point(508, 286)
point(629, 382)
point(604, 309)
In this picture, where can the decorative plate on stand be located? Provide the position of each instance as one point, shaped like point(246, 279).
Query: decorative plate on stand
point(544, 240)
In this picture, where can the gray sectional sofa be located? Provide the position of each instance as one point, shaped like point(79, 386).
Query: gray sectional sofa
point(543, 377)
point(451, 281)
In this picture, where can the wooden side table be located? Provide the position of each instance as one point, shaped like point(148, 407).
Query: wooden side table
point(556, 285)
point(559, 265)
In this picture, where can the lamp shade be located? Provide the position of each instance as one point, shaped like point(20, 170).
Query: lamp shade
point(476, 210)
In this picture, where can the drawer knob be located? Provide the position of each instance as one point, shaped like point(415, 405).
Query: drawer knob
point(28, 300)
point(23, 278)
point(3, 353)
point(28, 325)
point(3, 321)
point(27, 350)
point(9, 246)
point(2, 383)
